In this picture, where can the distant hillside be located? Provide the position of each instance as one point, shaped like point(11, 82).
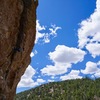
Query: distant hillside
point(79, 89)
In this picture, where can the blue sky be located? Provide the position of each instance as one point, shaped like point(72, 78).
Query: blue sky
point(67, 44)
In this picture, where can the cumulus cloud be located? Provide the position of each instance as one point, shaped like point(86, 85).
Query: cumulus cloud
point(42, 35)
point(26, 79)
point(62, 58)
point(74, 74)
point(89, 31)
point(92, 68)
point(56, 69)
point(50, 80)
point(64, 54)
point(94, 49)
point(40, 81)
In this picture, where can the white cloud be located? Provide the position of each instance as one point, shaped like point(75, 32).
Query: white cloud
point(98, 64)
point(96, 38)
point(40, 81)
point(94, 49)
point(92, 68)
point(97, 75)
point(33, 53)
point(38, 29)
point(74, 74)
point(26, 79)
point(98, 5)
point(55, 70)
point(64, 54)
point(89, 32)
point(62, 58)
point(53, 30)
point(45, 37)
point(50, 80)
point(52, 77)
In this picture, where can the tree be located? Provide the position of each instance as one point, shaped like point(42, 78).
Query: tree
point(17, 36)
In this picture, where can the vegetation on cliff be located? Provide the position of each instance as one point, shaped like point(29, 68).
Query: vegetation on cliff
point(79, 89)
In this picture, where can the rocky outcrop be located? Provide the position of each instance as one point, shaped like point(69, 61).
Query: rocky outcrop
point(17, 36)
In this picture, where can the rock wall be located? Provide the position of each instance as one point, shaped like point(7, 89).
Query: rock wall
point(17, 36)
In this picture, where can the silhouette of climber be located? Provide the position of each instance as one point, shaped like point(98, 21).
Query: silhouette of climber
point(18, 49)
point(27, 3)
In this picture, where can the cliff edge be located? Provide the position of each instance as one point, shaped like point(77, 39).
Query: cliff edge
point(17, 36)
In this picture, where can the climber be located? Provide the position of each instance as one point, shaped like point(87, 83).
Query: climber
point(18, 49)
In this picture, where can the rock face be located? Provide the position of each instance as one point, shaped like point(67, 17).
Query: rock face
point(17, 36)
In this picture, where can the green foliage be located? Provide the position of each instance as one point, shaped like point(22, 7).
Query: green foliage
point(79, 89)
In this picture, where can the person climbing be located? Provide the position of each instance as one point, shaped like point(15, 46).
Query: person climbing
point(18, 49)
